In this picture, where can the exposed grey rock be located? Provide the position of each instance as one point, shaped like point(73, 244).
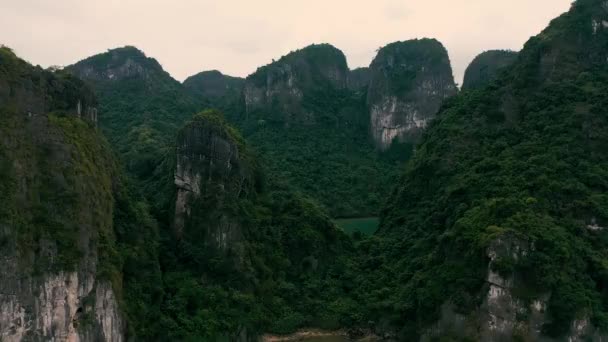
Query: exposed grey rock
point(358, 79)
point(408, 83)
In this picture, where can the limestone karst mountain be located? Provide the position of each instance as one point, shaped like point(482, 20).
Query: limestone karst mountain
point(408, 83)
point(216, 90)
point(213, 84)
point(245, 235)
point(498, 220)
point(221, 228)
point(486, 66)
point(65, 208)
point(280, 91)
point(312, 130)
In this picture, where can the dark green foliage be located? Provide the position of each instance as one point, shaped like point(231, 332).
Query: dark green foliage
point(309, 64)
point(63, 192)
point(486, 67)
point(142, 108)
point(214, 86)
point(401, 62)
point(522, 159)
point(53, 168)
point(358, 79)
point(138, 242)
point(330, 159)
point(338, 168)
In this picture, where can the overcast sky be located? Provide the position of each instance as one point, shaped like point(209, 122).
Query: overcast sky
point(237, 36)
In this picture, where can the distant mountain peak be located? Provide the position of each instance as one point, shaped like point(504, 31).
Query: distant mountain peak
point(281, 86)
point(213, 84)
point(117, 64)
point(486, 66)
point(320, 61)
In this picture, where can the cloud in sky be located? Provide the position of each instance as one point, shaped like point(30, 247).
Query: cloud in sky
point(237, 36)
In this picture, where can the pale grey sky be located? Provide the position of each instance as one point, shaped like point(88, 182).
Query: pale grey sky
point(237, 36)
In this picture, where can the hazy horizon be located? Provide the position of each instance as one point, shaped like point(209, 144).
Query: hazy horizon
point(235, 37)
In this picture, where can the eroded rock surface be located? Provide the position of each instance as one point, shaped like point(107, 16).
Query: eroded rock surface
point(280, 87)
point(408, 83)
point(210, 173)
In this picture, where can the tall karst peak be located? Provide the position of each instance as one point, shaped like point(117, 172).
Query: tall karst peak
point(142, 106)
point(409, 81)
point(486, 66)
point(506, 197)
point(61, 190)
point(283, 84)
point(317, 62)
point(212, 160)
point(118, 64)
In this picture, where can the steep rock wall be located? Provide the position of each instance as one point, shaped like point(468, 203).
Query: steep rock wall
point(281, 86)
point(408, 83)
point(56, 189)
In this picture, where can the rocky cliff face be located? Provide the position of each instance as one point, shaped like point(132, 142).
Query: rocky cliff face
point(408, 83)
point(213, 85)
point(486, 66)
point(213, 172)
point(56, 190)
point(281, 86)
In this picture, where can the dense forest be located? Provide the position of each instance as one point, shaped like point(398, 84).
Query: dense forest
point(139, 208)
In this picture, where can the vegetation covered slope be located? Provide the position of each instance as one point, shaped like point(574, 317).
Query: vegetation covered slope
point(68, 223)
point(245, 255)
point(523, 160)
point(409, 81)
point(486, 66)
point(142, 105)
point(313, 131)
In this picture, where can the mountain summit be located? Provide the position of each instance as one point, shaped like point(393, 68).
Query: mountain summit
point(408, 83)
